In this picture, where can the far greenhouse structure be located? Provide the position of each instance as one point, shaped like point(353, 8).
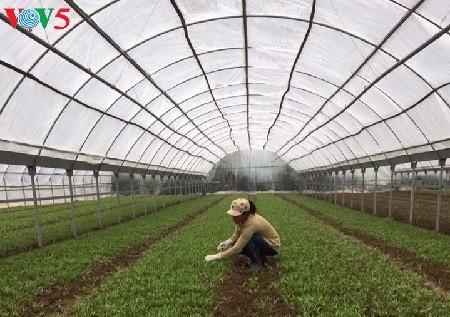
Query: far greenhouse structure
point(127, 128)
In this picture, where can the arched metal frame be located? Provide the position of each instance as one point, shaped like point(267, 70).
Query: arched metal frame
point(160, 146)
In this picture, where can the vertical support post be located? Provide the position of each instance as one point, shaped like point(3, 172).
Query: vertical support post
point(329, 187)
point(363, 185)
point(51, 188)
point(133, 207)
point(343, 188)
point(116, 178)
point(64, 190)
point(375, 190)
point(99, 208)
point(162, 190)
point(23, 191)
point(144, 192)
point(413, 185)
point(38, 189)
point(336, 173)
point(353, 186)
point(391, 190)
point(37, 218)
point(92, 187)
point(439, 194)
point(72, 204)
point(84, 190)
point(6, 192)
point(154, 191)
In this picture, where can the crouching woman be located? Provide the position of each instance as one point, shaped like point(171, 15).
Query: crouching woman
point(253, 236)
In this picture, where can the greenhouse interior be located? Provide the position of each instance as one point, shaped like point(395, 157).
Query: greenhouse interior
point(120, 113)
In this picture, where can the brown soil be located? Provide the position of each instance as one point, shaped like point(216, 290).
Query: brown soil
point(424, 213)
point(61, 298)
point(433, 275)
point(244, 293)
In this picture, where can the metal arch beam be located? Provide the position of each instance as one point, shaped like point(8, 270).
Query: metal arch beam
point(127, 57)
point(392, 31)
point(308, 31)
point(199, 22)
point(244, 22)
point(78, 101)
point(200, 131)
point(118, 100)
point(436, 36)
point(35, 38)
point(183, 115)
point(186, 34)
point(384, 120)
point(398, 159)
point(11, 158)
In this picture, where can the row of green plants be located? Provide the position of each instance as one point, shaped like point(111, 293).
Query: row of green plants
point(329, 274)
point(424, 243)
point(18, 232)
point(171, 279)
point(322, 273)
point(25, 275)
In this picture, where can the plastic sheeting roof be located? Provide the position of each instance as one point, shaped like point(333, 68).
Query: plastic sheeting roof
point(176, 85)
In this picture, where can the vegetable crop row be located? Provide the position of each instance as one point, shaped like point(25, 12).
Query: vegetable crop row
point(172, 278)
point(326, 273)
point(25, 275)
point(57, 224)
point(426, 244)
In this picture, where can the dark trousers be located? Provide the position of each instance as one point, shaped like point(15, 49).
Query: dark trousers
point(257, 249)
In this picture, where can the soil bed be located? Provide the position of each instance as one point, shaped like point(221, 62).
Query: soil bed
point(434, 275)
point(61, 298)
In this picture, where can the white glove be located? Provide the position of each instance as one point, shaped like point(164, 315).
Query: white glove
point(212, 257)
point(225, 244)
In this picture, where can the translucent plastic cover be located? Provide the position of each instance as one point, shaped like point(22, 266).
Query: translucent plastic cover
point(176, 85)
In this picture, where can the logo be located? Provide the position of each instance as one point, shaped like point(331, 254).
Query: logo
point(30, 18)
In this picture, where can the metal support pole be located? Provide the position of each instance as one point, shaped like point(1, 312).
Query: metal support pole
point(343, 188)
point(51, 188)
point(329, 187)
point(375, 191)
point(23, 191)
point(64, 190)
point(353, 185)
point(84, 190)
point(144, 192)
point(336, 173)
point(116, 178)
point(133, 207)
point(37, 218)
point(162, 191)
point(92, 187)
point(154, 187)
point(390, 190)
point(6, 192)
point(72, 204)
point(363, 185)
point(38, 188)
point(99, 208)
point(439, 194)
point(413, 185)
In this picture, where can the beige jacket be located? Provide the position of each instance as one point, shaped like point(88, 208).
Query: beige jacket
point(244, 232)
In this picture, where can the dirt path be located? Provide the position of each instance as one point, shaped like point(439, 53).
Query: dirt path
point(244, 293)
point(61, 298)
point(432, 275)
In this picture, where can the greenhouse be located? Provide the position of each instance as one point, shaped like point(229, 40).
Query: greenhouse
point(128, 127)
